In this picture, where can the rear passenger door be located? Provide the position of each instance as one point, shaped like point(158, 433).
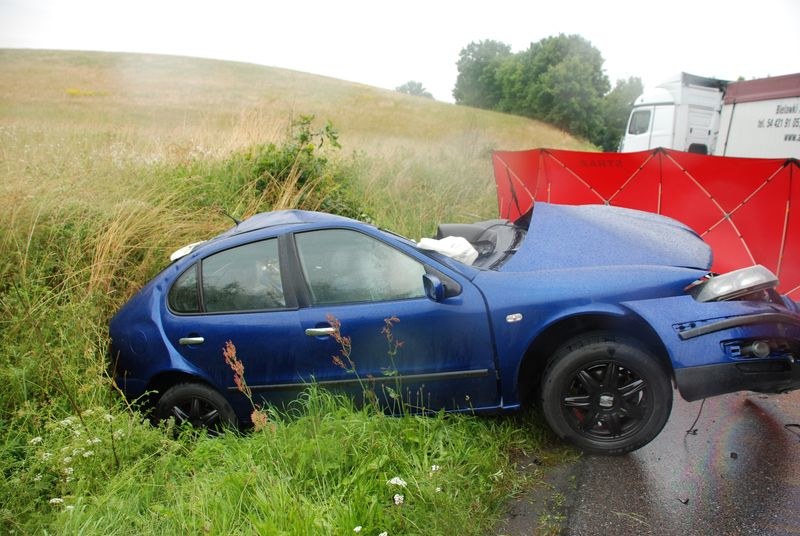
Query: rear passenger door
point(238, 295)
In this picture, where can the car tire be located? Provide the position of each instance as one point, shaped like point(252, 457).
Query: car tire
point(605, 394)
point(196, 404)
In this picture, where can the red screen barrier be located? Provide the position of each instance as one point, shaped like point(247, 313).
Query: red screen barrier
point(742, 207)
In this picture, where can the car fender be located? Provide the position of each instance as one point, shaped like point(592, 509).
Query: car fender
point(146, 337)
point(516, 333)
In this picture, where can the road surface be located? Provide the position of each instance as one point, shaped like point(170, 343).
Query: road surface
point(736, 473)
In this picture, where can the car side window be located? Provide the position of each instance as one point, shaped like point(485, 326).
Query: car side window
point(244, 278)
point(183, 296)
point(344, 266)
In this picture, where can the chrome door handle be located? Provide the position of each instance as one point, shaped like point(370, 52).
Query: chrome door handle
point(186, 341)
point(320, 332)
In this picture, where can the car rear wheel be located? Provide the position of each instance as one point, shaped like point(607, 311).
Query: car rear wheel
point(605, 394)
point(198, 405)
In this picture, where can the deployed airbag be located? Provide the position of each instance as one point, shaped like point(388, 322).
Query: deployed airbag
point(456, 247)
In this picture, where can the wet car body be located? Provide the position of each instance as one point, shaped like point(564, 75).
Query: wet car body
point(585, 308)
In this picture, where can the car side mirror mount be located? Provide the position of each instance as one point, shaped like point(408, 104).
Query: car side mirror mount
point(434, 288)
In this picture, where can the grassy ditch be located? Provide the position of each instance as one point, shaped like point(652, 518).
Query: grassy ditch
point(76, 459)
point(106, 165)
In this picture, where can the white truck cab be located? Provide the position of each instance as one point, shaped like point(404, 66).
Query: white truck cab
point(682, 113)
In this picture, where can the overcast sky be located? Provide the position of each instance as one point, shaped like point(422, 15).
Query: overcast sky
point(385, 43)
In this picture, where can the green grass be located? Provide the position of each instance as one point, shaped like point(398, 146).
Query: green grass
point(108, 162)
point(324, 467)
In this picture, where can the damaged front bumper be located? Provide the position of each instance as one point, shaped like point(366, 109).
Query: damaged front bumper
point(729, 346)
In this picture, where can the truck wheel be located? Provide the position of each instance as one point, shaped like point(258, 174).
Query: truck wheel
point(198, 405)
point(605, 394)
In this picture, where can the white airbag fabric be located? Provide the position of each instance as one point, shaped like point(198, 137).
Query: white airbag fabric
point(456, 247)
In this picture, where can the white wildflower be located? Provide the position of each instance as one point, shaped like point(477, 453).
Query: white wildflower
point(67, 460)
point(93, 441)
point(76, 451)
point(108, 417)
point(434, 468)
point(88, 412)
point(38, 477)
point(36, 440)
point(88, 454)
point(68, 470)
point(357, 529)
point(438, 489)
point(397, 481)
point(47, 455)
point(69, 508)
point(76, 433)
point(384, 533)
point(398, 499)
point(119, 434)
point(56, 500)
point(66, 422)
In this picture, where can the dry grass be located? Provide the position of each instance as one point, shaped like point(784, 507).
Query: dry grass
point(91, 136)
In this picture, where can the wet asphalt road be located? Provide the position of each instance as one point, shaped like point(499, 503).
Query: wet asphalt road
point(739, 474)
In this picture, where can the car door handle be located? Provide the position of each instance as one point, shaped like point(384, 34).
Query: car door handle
point(320, 332)
point(186, 341)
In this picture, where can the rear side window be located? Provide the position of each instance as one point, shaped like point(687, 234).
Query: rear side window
point(244, 278)
point(640, 122)
point(183, 296)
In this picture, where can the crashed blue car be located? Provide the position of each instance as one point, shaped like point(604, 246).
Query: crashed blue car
point(595, 312)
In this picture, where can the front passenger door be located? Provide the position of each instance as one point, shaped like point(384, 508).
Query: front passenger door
point(446, 355)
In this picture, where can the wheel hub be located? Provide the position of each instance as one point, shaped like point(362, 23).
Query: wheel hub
point(606, 401)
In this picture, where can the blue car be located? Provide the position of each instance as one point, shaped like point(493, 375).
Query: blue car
point(596, 312)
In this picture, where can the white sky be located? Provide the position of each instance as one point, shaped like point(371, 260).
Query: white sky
point(385, 43)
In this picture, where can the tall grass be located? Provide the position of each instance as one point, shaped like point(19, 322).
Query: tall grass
point(108, 163)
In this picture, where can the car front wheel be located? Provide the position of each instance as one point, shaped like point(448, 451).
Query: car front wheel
point(198, 405)
point(605, 394)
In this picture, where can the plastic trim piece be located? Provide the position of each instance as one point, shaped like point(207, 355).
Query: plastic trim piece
point(738, 321)
point(479, 373)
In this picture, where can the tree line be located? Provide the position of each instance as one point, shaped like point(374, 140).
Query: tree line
point(558, 80)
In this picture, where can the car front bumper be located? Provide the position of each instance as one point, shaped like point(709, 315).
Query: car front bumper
point(763, 375)
point(711, 344)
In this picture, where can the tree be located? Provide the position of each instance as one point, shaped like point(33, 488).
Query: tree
point(559, 80)
point(478, 63)
point(616, 108)
point(412, 87)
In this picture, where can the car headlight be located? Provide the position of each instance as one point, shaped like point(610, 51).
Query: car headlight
point(753, 280)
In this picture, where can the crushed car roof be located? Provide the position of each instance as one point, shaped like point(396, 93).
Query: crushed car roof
point(565, 236)
point(284, 217)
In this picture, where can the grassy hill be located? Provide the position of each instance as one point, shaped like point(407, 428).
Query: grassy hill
point(58, 107)
point(110, 161)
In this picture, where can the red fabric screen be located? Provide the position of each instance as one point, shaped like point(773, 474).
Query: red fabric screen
point(746, 209)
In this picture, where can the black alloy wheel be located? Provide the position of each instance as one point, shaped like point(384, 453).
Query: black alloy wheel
point(198, 405)
point(605, 394)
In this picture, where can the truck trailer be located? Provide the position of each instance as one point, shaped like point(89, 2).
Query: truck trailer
point(757, 118)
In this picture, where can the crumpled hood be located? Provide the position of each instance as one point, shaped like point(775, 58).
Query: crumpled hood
point(564, 236)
